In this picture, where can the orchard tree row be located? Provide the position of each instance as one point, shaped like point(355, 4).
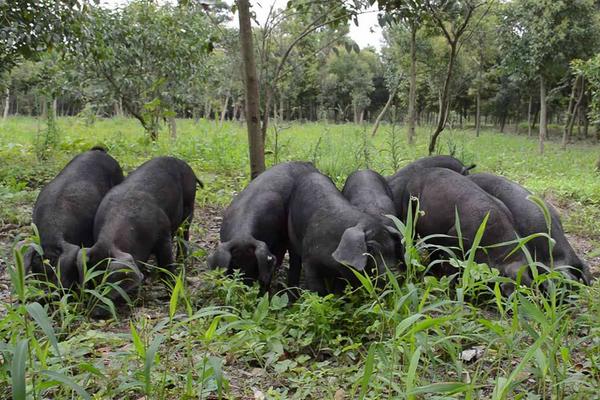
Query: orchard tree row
point(532, 66)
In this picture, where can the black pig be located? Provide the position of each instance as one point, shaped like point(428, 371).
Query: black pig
point(64, 214)
point(371, 194)
point(327, 231)
point(139, 217)
point(441, 192)
point(529, 219)
point(400, 179)
point(254, 229)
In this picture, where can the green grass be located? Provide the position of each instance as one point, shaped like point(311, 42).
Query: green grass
point(207, 336)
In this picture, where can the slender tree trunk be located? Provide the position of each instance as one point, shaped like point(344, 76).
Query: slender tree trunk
point(572, 111)
point(236, 106)
point(281, 107)
point(569, 113)
point(383, 111)
point(206, 109)
point(443, 101)
point(529, 121)
point(172, 126)
point(543, 115)
point(255, 137)
point(54, 107)
point(478, 114)
point(412, 92)
point(224, 110)
point(6, 103)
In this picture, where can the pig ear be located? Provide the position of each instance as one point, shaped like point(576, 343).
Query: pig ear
point(396, 235)
point(221, 257)
point(266, 262)
point(465, 170)
point(83, 257)
point(352, 249)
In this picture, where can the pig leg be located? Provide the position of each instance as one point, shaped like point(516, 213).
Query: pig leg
point(164, 253)
point(314, 279)
point(295, 269)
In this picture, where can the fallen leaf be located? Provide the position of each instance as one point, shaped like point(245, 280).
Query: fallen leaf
point(472, 354)
point(258, 395)
point(340, 394)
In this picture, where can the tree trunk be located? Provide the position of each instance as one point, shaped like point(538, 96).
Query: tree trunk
point(529, 120)
point(172, 126)
point(572, 111)
point(412, 92)
point(224, 111)
point(236, 106)
point(502, 123)
point(478, 114)
point(382, 114)
point(6, 103)
point(443, 101)
point(54, 107)
point(543, 115)
point(281, 107)
point(255, 139)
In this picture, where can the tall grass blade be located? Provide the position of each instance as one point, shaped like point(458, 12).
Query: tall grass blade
point(38, 313)
point(67, 381)
point(17, 370)
point(411, 376)
point(369, 365)
point(175, 296)
point(149, 362)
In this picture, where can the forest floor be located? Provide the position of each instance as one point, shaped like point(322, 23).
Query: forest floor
point(224, 338)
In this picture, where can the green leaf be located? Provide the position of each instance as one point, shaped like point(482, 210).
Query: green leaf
point(210, 332)
point(17, 370)
point(137, 341)
point(368, 371)
point(406, 323)
point(262, 309)
point(442, 387)
point(175, 296)
point(65, 380)
point(38, 313)
point(149, 362)
point(411, 375)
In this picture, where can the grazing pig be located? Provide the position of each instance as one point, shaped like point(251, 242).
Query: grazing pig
point(442, 193)
point(139, 217)
point(64, 214)
point(370, 193)
point(326, 231)
point(529, 219)
point(254, 229)
point(399, 180)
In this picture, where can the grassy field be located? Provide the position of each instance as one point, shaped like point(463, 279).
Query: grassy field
point(210, 336)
